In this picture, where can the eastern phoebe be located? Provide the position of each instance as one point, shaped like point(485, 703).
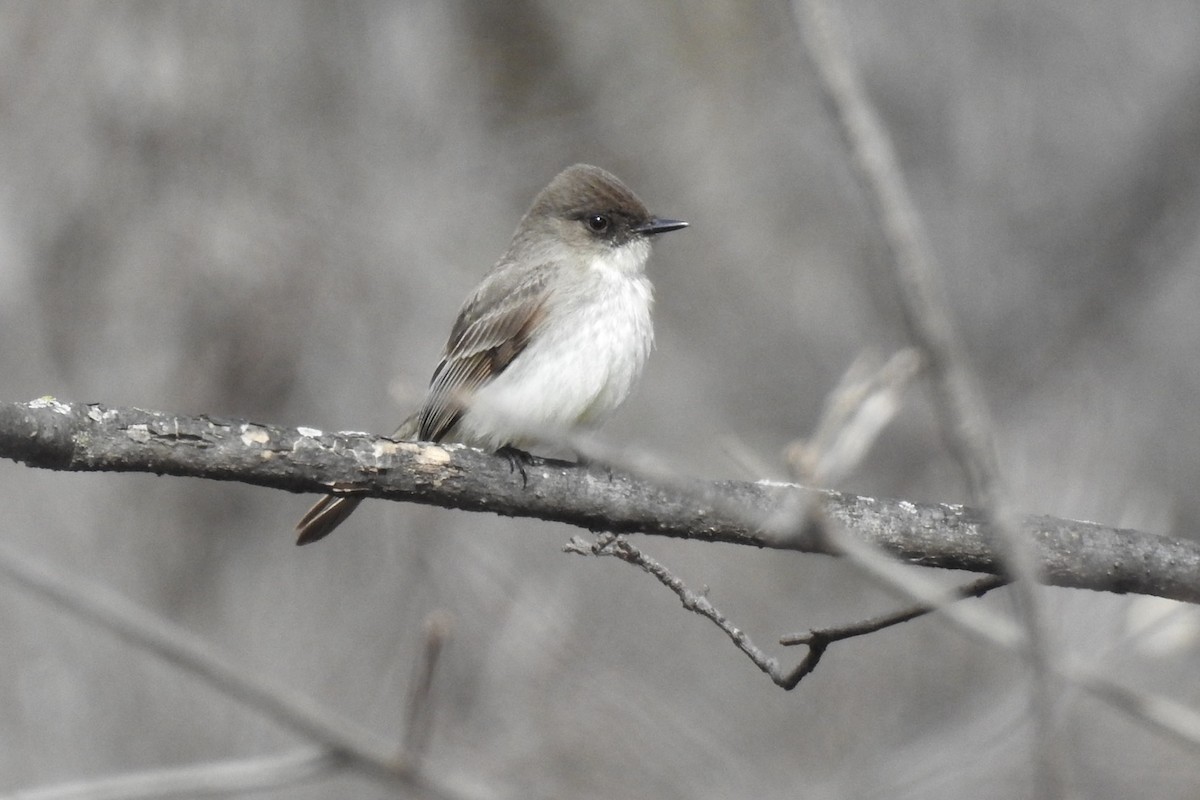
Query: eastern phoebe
point(553, 337)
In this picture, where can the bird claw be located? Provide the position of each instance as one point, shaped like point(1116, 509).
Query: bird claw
point(517, 461)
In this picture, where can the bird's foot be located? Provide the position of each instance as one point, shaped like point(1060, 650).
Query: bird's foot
point(518, 459)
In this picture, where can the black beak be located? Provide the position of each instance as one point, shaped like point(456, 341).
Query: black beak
point(654, 225)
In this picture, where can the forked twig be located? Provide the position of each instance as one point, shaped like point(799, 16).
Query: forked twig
point(817, 640)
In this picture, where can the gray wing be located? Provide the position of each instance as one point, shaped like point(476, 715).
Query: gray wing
point(492, 329)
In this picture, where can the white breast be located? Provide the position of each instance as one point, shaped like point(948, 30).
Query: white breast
point(580, 366)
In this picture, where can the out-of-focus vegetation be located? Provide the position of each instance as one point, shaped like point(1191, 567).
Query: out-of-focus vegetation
point(273, 210)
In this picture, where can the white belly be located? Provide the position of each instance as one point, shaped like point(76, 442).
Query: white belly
point(580, 366)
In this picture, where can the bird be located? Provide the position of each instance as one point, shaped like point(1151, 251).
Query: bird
point(551, 340)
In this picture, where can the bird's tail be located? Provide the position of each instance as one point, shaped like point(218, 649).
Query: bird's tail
point(332, 509)
point(325, 515)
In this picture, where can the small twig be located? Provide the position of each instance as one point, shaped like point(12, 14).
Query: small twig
point(1163, 715)
point(1159, 714)
point(608, 544)
point(823, 637)
point(817, 641)
point(199, 780)
point(418, 725)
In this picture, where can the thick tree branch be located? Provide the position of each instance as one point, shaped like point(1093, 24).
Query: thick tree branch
point(53, 435)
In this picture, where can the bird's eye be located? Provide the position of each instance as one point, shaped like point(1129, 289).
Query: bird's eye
point(597, 223)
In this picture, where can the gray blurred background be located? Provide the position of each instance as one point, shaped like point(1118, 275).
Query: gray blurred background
point(273, 211)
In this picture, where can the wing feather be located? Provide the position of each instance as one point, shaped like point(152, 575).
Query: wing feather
point(492, 329)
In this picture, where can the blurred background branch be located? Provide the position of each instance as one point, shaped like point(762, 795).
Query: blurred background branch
point(272, 211)
point(346, 744)
point(963, 416)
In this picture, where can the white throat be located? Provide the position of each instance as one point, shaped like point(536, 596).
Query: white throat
point(628, 259)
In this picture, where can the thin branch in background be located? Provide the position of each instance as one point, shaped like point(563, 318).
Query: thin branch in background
point(856, 411)
point(236, 777)
point(961, 411)
point(418, 722)
point(751, 464)
point(865, 400)
point(862, 404)
point(1161, 715)
point(356, 748)
point(921, 588)
point(1153, 626)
